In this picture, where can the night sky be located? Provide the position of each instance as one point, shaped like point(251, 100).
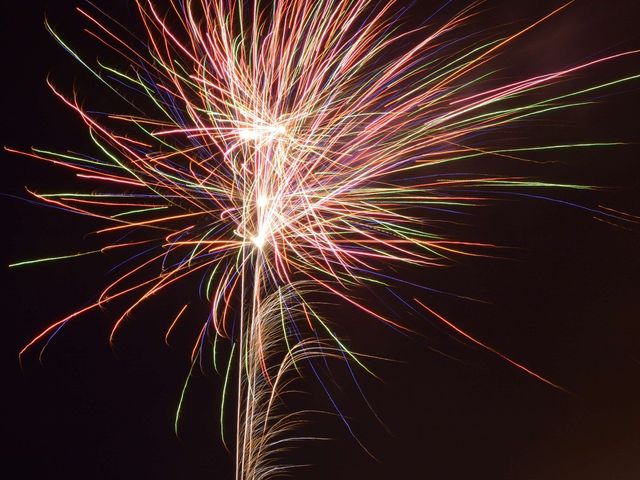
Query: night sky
point(563, 300)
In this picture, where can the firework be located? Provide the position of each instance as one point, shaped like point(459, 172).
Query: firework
point(285, 150)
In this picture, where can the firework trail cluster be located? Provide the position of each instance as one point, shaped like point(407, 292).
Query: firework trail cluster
point(285, 151)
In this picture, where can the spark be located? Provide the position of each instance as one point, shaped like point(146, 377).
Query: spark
point(262, 132)
point(259, 241)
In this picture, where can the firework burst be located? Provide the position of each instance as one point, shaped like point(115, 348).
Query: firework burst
point(290, 149)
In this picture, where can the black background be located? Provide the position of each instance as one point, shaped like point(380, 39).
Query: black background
point(566, 303)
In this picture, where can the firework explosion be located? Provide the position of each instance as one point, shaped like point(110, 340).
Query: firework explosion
point(283, 151)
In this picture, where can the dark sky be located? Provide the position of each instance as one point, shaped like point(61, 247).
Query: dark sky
point(566, 302)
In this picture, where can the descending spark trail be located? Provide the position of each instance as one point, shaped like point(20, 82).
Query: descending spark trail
point(287, 150)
